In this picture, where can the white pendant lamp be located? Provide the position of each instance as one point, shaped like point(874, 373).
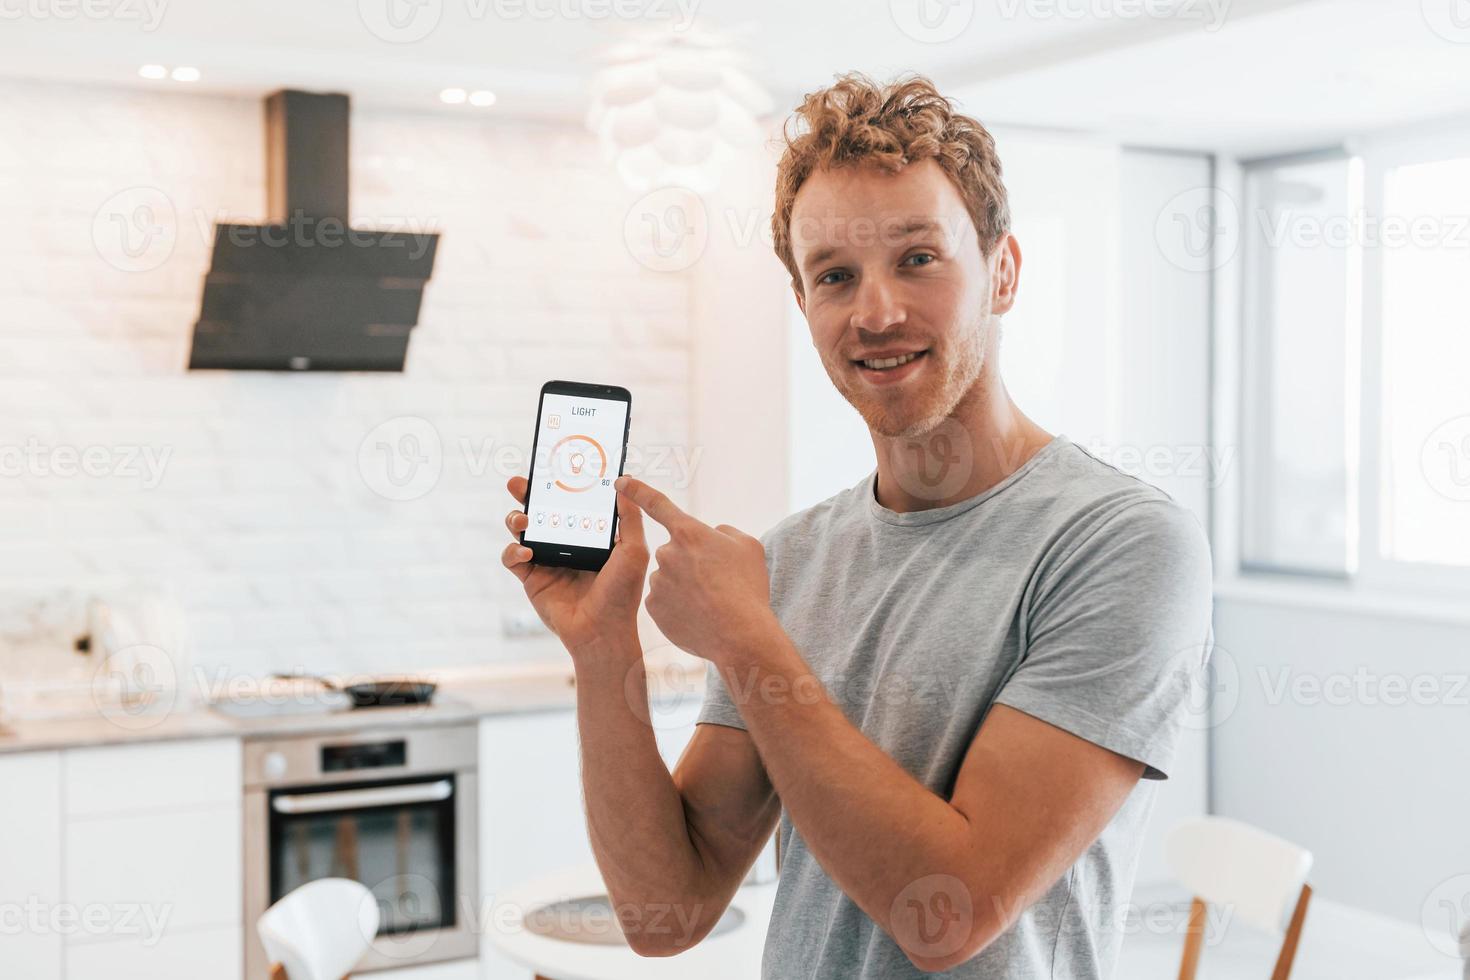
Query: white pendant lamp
point(670, 109)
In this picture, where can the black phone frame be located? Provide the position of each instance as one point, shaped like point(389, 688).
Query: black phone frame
point(568, 555)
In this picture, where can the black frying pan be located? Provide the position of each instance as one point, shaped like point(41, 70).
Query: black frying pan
point(378, 694)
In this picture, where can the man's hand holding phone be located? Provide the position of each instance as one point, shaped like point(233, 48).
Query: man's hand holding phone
point(582, 607)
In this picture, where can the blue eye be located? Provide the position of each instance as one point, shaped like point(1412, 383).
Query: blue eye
point(921, 255)
point(824, 279)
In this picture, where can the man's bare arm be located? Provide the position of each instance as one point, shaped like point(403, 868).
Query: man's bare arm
point(672, 849)
point(1028, 801)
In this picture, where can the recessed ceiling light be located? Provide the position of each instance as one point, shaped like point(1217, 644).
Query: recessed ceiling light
point(184, 73)
point(452, 96)
point(153, 71)
point(482, 98)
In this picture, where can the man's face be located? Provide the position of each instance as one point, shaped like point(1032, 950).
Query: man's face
point(891, 266)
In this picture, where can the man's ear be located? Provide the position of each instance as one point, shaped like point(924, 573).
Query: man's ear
point(1005, 274)
point(800, 296)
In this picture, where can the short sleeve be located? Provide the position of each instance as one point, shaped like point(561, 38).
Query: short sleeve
point(718, 708)
point(1117, 632)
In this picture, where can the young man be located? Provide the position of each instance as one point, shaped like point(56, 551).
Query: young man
point(952, 683)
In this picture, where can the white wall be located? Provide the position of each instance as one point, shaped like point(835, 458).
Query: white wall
point(1372, 782)
point(263, 522)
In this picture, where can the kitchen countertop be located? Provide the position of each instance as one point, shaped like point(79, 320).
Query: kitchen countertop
point(463, 695)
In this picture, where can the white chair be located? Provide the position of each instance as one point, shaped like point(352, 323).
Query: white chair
point(1261, 878)
point(320, 930)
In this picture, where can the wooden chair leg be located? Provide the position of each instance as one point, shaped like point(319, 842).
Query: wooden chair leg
point(1194, 939)
point(1293, 935)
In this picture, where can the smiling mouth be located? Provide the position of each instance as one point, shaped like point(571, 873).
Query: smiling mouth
point(889, 363)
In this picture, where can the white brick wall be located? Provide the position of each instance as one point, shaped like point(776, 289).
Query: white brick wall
point(263, 523)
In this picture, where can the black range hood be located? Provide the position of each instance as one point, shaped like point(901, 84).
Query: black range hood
point(305, 291)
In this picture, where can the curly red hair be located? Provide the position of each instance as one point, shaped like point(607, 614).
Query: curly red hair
point(858, 122)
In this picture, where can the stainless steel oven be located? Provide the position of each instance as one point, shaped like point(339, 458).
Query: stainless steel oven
point(392, 808)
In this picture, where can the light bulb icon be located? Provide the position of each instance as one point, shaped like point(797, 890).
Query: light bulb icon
point(577, 461)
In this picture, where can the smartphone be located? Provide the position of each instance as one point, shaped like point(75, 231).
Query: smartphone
point(578, 451)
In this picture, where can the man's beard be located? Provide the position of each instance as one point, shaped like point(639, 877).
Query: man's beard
point(918, 411)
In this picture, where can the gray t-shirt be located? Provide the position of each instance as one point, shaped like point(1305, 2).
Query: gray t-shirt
point(1069, 591)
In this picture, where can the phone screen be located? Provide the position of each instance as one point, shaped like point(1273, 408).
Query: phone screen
point(579, 453)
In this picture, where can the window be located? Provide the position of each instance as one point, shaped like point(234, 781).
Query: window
point(1355, 387)
point(1298, 394)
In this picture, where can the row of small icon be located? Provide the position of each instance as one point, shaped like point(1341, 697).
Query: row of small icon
point(583, 521)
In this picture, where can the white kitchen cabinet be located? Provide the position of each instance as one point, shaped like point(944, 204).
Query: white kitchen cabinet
point(30, 865)
point(184, 865)
point(179, 955)
point(457, 970)
point(151, 837)
point(531, 817)
point(189, 773)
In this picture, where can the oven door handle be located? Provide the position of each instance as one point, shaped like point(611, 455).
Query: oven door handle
point(354, 799)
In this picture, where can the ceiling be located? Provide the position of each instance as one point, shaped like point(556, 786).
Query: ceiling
point(1272, 75)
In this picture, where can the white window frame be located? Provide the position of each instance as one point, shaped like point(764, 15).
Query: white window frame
point(1379, 156)
point(1255, 409)
point(1368, 570)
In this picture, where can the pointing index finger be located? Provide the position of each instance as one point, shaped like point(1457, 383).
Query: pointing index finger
point(652, 502)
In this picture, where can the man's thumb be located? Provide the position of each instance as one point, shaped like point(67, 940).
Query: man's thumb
point(630, 520)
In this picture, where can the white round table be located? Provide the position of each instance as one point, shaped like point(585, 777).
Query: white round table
point(733, 955)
